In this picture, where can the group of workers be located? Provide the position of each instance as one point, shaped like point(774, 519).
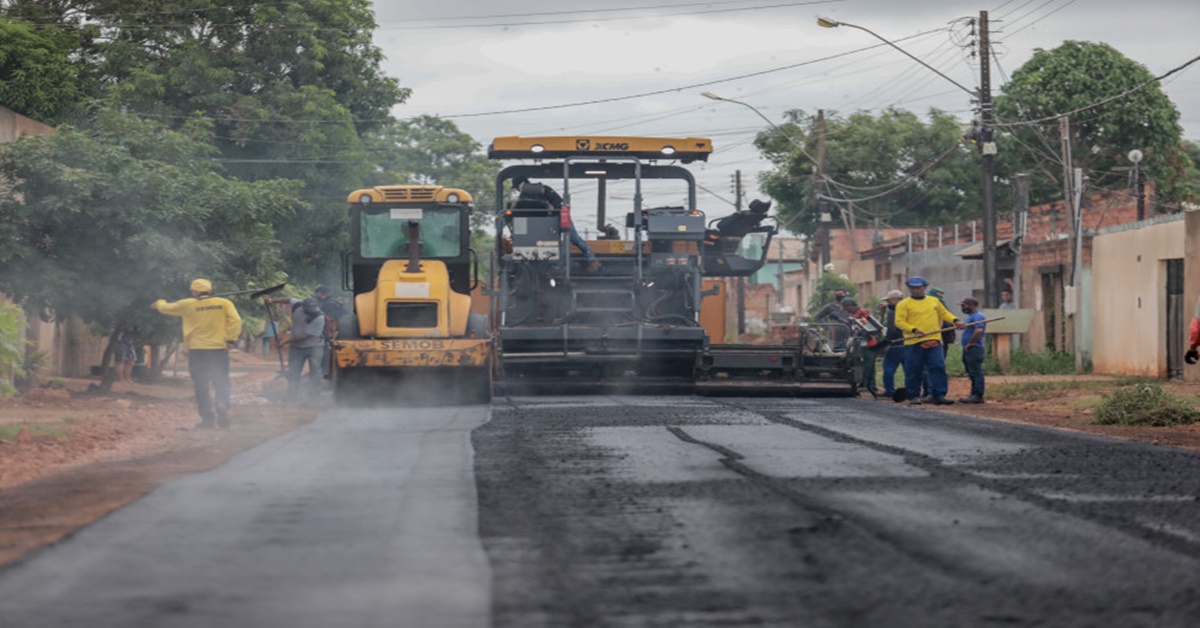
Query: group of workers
point(211, 327)
point(915, 333)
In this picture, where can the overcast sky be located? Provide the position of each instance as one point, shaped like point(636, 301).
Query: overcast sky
point(462, 58)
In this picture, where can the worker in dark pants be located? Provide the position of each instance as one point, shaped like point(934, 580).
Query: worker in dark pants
point(973, 351)
point(920, 317)
point(211, 327)
point(866, 328)
point(894, 357)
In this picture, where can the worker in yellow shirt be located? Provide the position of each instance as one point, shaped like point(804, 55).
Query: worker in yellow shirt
point(920, 319)
point(211, 327)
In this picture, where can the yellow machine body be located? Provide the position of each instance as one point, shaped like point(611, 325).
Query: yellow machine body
point(413, 329)
point(394, 340)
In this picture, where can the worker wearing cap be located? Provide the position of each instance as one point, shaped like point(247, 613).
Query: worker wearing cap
point(866, 328)
point(894, 357)
point(973, 351)
point(211, 326)
point(920, 319)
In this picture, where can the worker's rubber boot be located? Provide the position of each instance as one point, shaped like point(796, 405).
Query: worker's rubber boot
point(222, 416)
point(593, 266)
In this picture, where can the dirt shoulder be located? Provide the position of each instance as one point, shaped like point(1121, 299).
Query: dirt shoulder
point(1070, 407)
point(69, 457)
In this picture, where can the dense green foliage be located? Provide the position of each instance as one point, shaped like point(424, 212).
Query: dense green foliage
point(433, 150)
point(37, 78)
point(867, 156)
point(1075, 75)
point(98, 224)
point(1145, 404)
point(12, 346)
point(290, 90)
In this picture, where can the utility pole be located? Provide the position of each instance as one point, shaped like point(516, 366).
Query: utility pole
point(1140, 182)
point(823, 216)
point(741, 281)
point(988, 148)
point(737, 190)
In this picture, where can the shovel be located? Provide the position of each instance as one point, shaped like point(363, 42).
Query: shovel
point(278, 345)
point(254, 294)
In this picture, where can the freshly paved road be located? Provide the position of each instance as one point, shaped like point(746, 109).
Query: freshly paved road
point(362, 518)
point(644, 511)
point(626, 511)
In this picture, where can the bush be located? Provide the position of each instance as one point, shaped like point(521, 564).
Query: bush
point(1040, 390)
point(1144, 404)
point(12, 347)
point(1048, 363)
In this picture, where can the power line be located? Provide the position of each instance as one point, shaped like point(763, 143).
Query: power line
point(422, 27)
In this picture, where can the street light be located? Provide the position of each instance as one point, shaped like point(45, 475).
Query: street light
point(987, 147)
point(769, 121)
point(825, 22)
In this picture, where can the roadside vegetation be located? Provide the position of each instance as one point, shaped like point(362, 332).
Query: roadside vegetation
point(10, 432)
point(1038, 390)
point(1145, 404)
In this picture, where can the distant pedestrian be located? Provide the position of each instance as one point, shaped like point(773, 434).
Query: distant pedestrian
point(124, 356)
point(211, 327)
point(1006, 300)
point(920, 318)
point(894, 357)
point(973, 350)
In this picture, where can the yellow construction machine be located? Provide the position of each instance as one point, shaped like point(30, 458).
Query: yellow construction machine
point(413, 335)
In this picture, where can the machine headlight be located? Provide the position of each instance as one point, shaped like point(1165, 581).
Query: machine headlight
point(452, 198)
point(668, 150)
point(365, 199)
point(537, 148)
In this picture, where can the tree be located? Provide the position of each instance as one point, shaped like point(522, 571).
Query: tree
point(432, 150)
point(1073, 76)
point(1188, 166)
point(37, 77)
point(894, 166)
point(99, 222)
point(290, 90)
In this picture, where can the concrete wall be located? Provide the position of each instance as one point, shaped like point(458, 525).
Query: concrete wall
point(1191, 271)
point(70, 348)
point(1129, 304)
point(14, 125)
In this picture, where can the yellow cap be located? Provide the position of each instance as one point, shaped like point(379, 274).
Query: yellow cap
point(202, 285)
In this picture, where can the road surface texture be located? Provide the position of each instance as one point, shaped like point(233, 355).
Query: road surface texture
point(627, 511)
point(362, 518)
point(643, 511)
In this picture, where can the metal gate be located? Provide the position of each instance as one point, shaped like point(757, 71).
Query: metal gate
point(1176, 324)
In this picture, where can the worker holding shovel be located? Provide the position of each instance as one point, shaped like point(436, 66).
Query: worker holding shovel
point(211, 326)
point(920, 318)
